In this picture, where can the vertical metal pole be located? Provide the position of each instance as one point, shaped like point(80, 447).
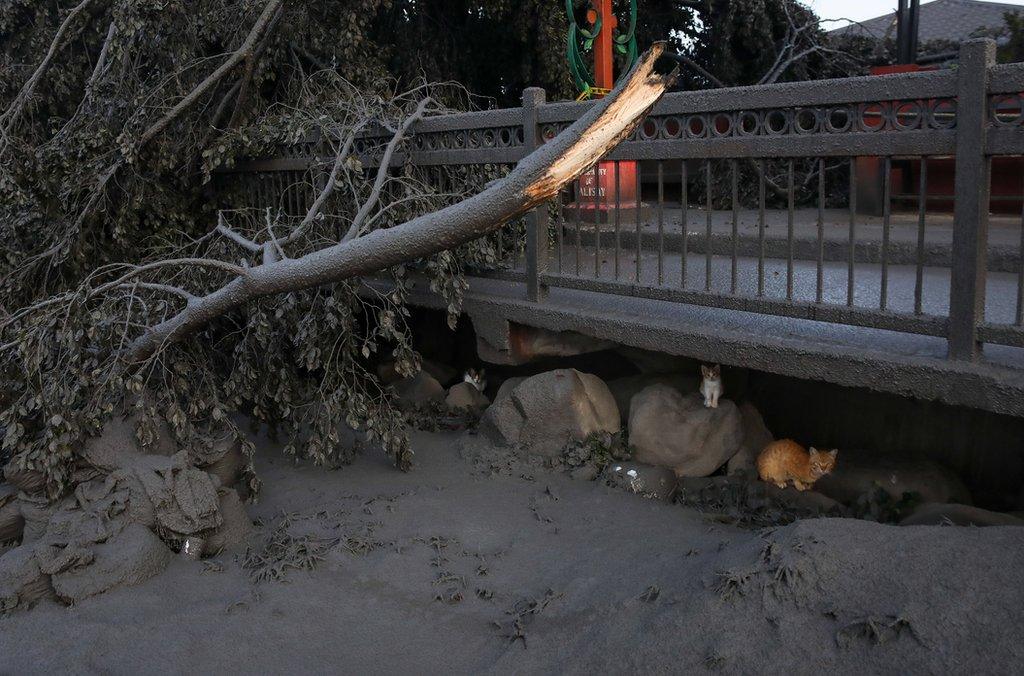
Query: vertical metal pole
point(735, 224)
point(536, 219)
point(790, 235)
point(603, 47)
point(760, 227)
point(660, 223)
point(597, 220)
point(639, 222)
point(559, 229)
point(618, 233)
point(852, 253)
point(819, 287)
point(883, 301)
point(922, 208)
point(707, 237)
point(1020, 274)
point(972, 186)
point(684, 204)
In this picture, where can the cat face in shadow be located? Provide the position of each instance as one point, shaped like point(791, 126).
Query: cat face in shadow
point(711, 372)
point(822, 462)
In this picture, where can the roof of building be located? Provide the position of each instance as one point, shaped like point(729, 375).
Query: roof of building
point(954, 20)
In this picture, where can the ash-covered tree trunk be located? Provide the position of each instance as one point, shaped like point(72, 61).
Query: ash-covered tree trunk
point(536, 179)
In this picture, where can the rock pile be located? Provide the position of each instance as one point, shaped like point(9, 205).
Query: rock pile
point(707, 456)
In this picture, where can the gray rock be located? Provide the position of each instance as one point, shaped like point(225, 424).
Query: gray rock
point(656, 483)
point(939, 514)
point(464, 396)
point(810, 500)
point(744, 493)
point(507, 386)
point(442, 373)
point(543, 412)
point(856, 474)
point(419, 390)
point(755, 437)
point(670, 430)
point(22, 583)
point(129, 558)
point(624, 389)
point(236, 530)
point(585, 473)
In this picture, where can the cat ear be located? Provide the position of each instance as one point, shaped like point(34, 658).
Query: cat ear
point(812, 451)
point(705, 371)
point(717, 369)
point(834, 452)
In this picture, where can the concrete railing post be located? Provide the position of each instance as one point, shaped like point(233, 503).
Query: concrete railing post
point(536, 219)
point(972, 189)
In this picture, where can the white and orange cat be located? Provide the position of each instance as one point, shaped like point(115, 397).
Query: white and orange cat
point(476, 378)
point(711, 384)
point(785, 460)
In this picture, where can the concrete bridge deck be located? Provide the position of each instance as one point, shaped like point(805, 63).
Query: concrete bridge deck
point(885, 361)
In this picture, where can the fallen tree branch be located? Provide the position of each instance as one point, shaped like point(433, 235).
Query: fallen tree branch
point(239, 55)
point(14, 111)
point(250, 71)
point(536, 179)
point(382, 170)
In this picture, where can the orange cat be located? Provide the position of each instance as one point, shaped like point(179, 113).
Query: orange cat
point(785, 460)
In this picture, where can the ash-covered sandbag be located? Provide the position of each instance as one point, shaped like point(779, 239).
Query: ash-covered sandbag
point(132, 556)
point(223, 459)
point(12, 523)
point(59, 558)
point(22, 582)
point(118, 445)
point(184, 498)
point(25, 480)
point(236, 529)
point(37, 511)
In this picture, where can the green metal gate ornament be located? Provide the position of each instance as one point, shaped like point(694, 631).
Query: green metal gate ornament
point(581, 40)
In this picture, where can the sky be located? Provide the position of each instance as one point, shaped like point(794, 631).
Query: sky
point(858, 10)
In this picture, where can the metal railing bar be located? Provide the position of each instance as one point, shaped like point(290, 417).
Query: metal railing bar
point(886, 228)
point(707, 240)
point(853, 232)
point(790, 234)
point(820, 279)
point(760, 227)
point(734, 271)
point(684, 203)
point(661, 223)
point(922, 208)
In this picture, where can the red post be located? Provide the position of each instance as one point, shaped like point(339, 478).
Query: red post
point(604, 76)
point(596, 208)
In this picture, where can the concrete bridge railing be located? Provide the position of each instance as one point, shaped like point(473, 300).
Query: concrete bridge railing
point(864, 201)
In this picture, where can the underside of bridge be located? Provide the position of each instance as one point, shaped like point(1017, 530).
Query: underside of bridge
point(512, 330)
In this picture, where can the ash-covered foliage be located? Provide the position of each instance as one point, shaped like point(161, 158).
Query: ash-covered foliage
point(115, 114)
